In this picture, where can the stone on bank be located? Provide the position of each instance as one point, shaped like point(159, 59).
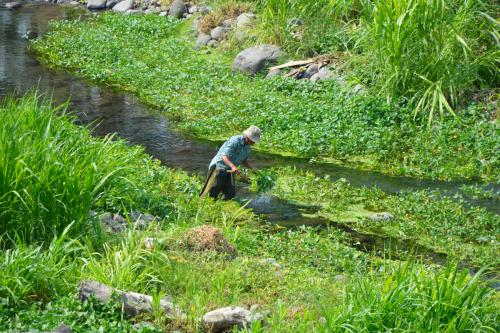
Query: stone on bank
point(96, 4)
point(255, 59)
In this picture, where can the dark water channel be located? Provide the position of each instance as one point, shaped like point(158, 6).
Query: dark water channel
point(123, 114)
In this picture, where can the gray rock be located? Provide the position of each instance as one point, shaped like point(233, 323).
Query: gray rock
point(245, 20)
point(254, 59)
point(193, 9)
point(152, 10)
point(134, 12)
point(113, 223)
point(177, 9)
point(189, 15)
point(123, 6)
point(273, 73)
point(202, 40)
point(13, 5)
point(310, 71)
point(133, 303)
point(111, 3)
point(204, 10)
point(383, 216)
point(229, 23)
point(142, 220)
point(213, 43)
point(74, 3)
point(315, 77)
point(325, 73)
point(218, 33)
point(163, 13)
point(224, 319)
point(96, 4)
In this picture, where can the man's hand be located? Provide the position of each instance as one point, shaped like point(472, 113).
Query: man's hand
point(235, 170)
point(229, 163)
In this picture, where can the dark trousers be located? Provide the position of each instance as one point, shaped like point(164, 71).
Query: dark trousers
point(219, 181)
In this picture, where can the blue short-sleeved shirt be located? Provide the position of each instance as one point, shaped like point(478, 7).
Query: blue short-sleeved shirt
point(235, 148)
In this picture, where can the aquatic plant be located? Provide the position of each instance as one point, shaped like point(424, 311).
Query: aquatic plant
point(263, 181)
point(322, 121)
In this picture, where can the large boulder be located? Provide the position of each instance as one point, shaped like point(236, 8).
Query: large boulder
point(123, 6)
point(253, 60)
point(177, 9)
point(224, 319)
point(96, 4)
point(133, 303)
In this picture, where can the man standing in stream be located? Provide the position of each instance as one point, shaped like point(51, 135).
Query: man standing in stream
point(224, 165)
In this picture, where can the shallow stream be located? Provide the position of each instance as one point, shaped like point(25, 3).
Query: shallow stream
point(114, 112)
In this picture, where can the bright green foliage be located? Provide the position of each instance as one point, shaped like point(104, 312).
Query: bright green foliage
point(372, 292)
point(426, 217)
point(136, 53)
point(52, 173)
point(323, 24)
point(430, 51)
point(411, 299)
point(263, 181)
point(29, 273)
point(88, 316)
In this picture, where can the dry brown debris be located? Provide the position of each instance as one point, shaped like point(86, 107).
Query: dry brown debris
point(225, 12)
point(207, 238)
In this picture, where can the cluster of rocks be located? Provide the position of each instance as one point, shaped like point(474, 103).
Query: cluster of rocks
point(313, 70)
point(135, 304)
point(118, 223)
point(178, 9)
point(212, 38)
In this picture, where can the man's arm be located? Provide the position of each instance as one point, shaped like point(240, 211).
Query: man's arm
point(230, 164)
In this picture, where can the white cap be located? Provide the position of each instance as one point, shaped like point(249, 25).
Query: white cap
point(253, 133)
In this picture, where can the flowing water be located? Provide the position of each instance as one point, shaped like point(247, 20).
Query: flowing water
point(114, 112)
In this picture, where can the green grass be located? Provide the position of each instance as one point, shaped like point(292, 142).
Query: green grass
point(38, 283)
point(430, 53)
point(323, 121)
